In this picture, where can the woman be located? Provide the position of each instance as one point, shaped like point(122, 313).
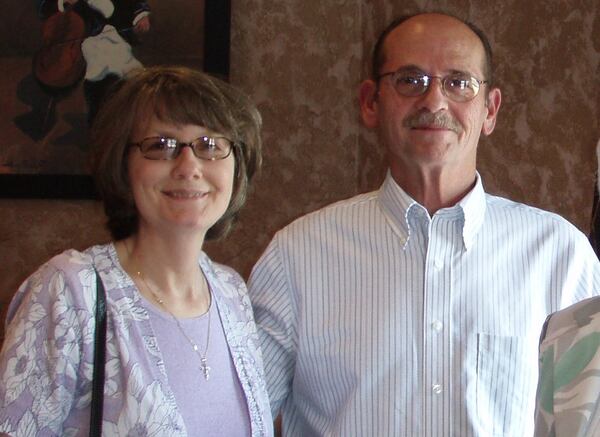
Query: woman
point(173, 153)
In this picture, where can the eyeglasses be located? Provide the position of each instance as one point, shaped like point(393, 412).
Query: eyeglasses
point(207, 148)
point(459, 87)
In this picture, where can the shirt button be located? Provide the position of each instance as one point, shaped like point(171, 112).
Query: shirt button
point(438, 265)
point(436, 388)
point(437, 326)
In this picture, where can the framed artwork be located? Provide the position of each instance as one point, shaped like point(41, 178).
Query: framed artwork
point(58, 56)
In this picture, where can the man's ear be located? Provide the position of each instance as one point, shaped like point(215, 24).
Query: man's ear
point(494, 99)
point(368, 103)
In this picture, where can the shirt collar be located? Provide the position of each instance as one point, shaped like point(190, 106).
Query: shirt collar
point(396, 205)
point(473, 206)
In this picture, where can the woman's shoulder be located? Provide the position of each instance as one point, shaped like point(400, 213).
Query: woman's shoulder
point(73, 260)
point(222, 274)
point(76, 268)
point(227, 286)
point(67, 274)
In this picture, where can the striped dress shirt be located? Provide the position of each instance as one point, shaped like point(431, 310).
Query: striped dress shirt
point(376, 319)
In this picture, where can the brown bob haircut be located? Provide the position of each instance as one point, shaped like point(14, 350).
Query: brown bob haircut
point(176, 95)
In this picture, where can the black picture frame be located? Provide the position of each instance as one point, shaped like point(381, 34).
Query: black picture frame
point(217, 24)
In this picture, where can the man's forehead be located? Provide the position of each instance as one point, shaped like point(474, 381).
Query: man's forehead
point(429, 25)
point(434, 38)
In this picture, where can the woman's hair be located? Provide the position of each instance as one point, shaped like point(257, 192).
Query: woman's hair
point(177, 95)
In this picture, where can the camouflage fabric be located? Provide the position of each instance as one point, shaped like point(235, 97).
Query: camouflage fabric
point(568, 396)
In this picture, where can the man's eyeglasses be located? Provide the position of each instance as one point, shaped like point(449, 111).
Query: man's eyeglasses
point(207, 148)
point(459, 87)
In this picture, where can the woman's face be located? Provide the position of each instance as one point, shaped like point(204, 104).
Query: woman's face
point(185, 193)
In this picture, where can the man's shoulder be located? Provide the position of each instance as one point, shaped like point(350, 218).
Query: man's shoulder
point(509, 208)
point(336, 211)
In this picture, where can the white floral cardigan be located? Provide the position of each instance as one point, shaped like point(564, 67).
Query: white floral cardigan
point(46, 359)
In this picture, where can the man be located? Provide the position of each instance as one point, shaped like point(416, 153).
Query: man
point(416, 310)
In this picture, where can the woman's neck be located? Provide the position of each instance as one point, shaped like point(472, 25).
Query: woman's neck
point(166, 274)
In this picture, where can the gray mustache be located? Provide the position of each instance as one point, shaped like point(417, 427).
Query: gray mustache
point(440, 120)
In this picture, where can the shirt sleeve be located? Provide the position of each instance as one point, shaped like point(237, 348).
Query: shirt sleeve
point(582, 271)
point(41, 362)
point(275, 313)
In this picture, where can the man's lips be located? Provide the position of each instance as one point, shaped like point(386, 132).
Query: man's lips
point(432, 128)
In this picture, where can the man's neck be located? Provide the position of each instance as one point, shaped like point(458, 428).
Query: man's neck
point(436, 188)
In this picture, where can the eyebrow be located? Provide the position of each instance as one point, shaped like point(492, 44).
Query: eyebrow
point(411, 67)
point(414, 68)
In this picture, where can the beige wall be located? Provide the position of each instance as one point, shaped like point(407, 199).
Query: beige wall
point(302, 61)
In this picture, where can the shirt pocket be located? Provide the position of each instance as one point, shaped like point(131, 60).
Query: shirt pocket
point(505, 383)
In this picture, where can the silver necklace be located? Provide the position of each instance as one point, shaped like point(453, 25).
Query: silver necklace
point(204, 367)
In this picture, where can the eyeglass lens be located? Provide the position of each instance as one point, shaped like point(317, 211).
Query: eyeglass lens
point(459, 86)
point(208, 148)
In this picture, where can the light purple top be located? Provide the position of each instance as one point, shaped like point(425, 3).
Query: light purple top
point(216, 406)
point(46, 359)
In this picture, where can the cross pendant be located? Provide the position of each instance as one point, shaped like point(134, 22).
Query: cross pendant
point(205, 368)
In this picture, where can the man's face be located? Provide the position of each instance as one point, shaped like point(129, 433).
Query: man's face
point(430, 130)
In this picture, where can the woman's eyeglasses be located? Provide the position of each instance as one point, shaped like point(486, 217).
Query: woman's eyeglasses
point(207, 148)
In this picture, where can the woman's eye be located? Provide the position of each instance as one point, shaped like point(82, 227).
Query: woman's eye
point(164, 144)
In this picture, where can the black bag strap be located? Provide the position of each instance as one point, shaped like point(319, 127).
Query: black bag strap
point(99, 360)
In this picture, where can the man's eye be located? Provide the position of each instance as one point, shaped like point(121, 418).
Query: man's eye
point(411, 80)
point(459, 82)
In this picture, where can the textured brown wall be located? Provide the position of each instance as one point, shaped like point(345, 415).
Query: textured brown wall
point(302, 61)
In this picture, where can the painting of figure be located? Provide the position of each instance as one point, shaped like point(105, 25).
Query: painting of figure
point(58, 57)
